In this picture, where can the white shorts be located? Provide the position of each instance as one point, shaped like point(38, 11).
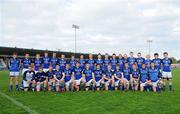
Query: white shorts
point(24, 70)
point(89, 82)
point(98, 83)
point(35, 72)
point(78, 81)
point(67, 84)
point(167, 75)
point(38, 86)
point(58, 83)
point(143, 84)
point(26, 84)
point(45, 69)
point(14, 73)
point(117, 83)
point(50, 82)
point(127, 82)
point(106, 83)
point(154, 84)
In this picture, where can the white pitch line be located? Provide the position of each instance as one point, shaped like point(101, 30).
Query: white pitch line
point(27, 109)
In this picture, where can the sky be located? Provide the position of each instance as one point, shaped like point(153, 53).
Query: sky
point(106, 26)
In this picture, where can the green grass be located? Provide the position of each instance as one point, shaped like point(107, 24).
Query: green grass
point(106, 102)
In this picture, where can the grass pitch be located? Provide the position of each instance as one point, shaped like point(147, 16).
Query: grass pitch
point(102, 102)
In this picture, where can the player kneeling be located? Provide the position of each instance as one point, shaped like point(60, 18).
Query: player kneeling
point(59, 78)
point(126, 76)
point(109, 79)
point(68, 78)
point(40, 79)
point(153, 78)
point(134, 77)
point(118, 78)
point(50, 79)
point(143, 77)
point(98, 76)
point(28, 79)
point(88, 76)
point(78, 76)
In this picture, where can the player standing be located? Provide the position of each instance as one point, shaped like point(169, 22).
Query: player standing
point(140, 60)
point(91, 62)
point(106, 62)
point(166, 71)
point(131, 60)
point(37, 63)
point(121, 62)
point(148, 61)
point(99, 61)
point(82, 61)
point(25, 63)
point(113, 62)
point(46, 62)
point(54, 61)
point(62, 62)
point(72, 62)
point(14, 65)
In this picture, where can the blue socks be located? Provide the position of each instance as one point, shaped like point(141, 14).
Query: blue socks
point(11, 88)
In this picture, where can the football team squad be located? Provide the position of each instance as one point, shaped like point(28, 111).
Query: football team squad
point(106, 72)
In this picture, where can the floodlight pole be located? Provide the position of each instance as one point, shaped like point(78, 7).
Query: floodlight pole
point(149, 45)
point(75, 39)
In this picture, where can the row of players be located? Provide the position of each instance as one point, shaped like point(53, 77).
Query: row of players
point(129, 67)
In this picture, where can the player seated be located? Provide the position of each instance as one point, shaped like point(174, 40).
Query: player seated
point(98, 76)
point(118, 78)
point(68, 78)
point(88, 77)
point(143, 77)
point(40, 79)
point(28, 79)
point(126, 76)
point(134, 77)
point(59, 79)
point(153, 78)
point(78, 76)
point(109, 78)
point(50, 79)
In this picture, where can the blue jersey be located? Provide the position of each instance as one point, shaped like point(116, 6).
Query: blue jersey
point(106, 63)
point(140, 61)
point(118, 74)
point(126, 73)
point(143, 74)
point(37, 64)
point(50, 74)
point(135, 73)
point(88, 74)
point(54, 62)
point(58, 74)
point(68, 75)
point(82, 63)
point(153, 74)
point(26, 63)
point(157, 63)
point(148, 63)
point(166, 64)
point(14, 65)
point(100, 62)
point(131, 61)
point(91, 63)
point(78, 73)
point(72, 64)
point(113, 64)
point(121, 63)
point(98, 74)
point(46, 62)
point(125, 60)
point(40, 77)
point(109, 74)
point(62, 63)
